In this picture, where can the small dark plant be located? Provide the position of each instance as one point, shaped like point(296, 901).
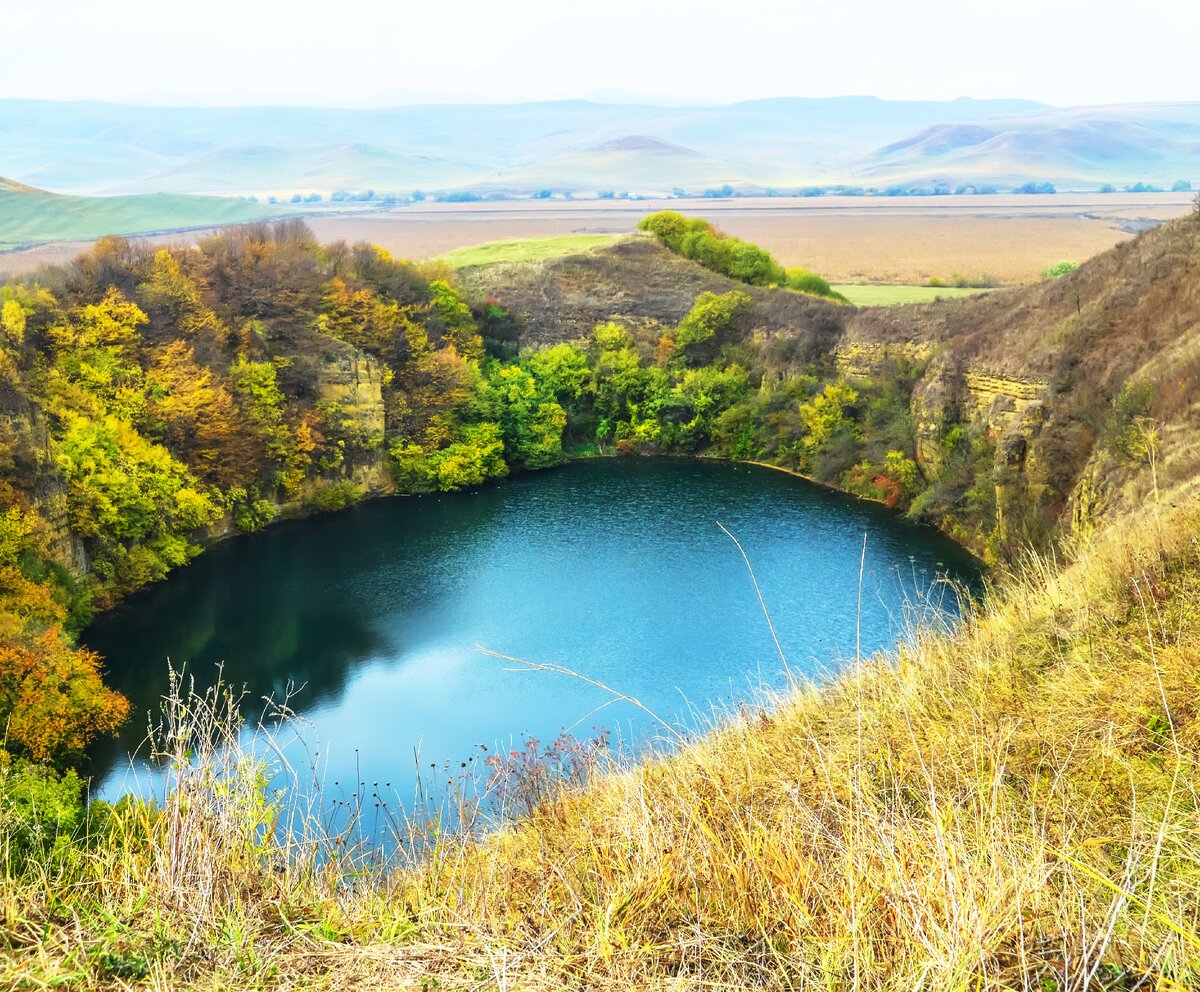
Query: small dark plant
point(524, 779)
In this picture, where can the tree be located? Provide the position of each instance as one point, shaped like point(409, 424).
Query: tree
point(826, 414)
point(461, 330)
point(711, 316)
point(669, 226)
point(12, 322)
point(197, 417)
point(53, 701)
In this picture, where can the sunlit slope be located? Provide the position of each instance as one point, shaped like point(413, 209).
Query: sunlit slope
point(527, 249)
point(33, 216)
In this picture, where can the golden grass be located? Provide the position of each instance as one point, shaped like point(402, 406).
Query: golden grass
point(1009, 806)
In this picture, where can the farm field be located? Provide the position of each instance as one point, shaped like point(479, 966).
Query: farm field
point(903, 240)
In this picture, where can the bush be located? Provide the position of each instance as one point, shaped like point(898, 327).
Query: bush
point(329, 498)
point(1059, 269)
point(39, 811)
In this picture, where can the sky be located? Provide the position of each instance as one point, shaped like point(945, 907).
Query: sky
point(380, 52)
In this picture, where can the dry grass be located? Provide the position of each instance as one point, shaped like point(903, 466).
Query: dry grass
point(1010, 806)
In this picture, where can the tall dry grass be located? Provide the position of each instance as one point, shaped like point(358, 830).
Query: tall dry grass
point(1009, 806)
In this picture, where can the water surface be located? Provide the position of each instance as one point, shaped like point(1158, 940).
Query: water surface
point(614, 568)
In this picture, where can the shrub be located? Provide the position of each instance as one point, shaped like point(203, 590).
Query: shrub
point(39, 810)
point(333, 497)
point(1059, 269)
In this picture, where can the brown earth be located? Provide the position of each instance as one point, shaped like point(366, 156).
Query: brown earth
point(845, 239)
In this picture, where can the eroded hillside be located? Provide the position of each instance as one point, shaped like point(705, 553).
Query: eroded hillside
point(1058, 387)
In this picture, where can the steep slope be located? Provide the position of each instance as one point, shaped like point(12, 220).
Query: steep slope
point(1041, 376)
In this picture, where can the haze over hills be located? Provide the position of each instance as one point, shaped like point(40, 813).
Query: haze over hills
point(1158, 143)
point(568, 146)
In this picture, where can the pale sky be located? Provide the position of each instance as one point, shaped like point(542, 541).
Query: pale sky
point(359, 51)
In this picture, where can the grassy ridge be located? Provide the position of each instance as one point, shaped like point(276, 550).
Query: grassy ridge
point(33, 216)
point(526, 249)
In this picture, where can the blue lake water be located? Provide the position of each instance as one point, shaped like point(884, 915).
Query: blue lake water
point(616, 569)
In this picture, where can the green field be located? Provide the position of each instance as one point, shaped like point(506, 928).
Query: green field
point(527, 249)
point(886, 296)
point(31, 216)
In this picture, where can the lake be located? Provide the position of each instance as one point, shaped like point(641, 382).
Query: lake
point(379, 617)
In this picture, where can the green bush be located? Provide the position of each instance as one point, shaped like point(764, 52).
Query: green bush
point(39, 811)
point(1059, 269)
point(333, 497)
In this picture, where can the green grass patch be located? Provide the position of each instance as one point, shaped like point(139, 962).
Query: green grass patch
point(527, 249)
point(886, 296)
point(32, 216)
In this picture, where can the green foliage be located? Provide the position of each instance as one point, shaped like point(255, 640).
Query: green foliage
point(1059, 269)
point(711, 317)
point(40, 809)
point(803, 281)
point(478, 455)
point(669, 226)
point(827, 415)
point(250, 511)
point(699, 240)
point(460, 329)
point(1125, 433)
point(332, 497)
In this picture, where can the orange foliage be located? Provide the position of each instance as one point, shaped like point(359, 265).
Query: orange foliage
point(200, 419)
point(52, 699)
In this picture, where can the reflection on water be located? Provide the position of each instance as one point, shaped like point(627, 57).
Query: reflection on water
point(615, 569)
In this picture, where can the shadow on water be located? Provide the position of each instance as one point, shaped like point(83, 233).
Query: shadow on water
point(615, 569)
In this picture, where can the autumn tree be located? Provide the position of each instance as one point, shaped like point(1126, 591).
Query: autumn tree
point(194, 413)
point(53, 700)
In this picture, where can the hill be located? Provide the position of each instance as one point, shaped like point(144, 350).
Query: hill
point(577, 145)
point(1072, 148)
point(32, 216)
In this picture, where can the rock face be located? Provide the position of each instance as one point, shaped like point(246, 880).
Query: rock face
point(25, 445)
point(354, 381)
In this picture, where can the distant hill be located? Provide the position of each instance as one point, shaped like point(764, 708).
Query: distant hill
point(580, 145)
point(33, 216)
point(1149, 143)
point(639, 162)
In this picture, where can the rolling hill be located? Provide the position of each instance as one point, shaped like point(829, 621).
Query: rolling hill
point(1156, 144)
point(33, 216)
point(99, 148)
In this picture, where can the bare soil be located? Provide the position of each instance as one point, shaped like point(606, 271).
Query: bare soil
point(845, 239)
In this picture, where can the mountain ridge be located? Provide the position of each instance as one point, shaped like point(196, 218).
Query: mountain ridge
point(90, 147)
